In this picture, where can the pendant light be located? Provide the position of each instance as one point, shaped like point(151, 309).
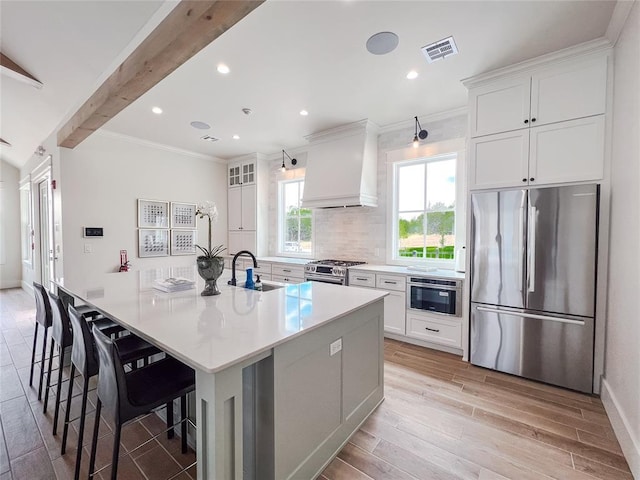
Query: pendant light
point(293, 160)
point(419, 135)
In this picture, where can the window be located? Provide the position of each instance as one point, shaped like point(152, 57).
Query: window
point(296, 223)
point(425, 201)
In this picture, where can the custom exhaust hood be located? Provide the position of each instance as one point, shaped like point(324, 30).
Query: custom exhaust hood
point(342, 167)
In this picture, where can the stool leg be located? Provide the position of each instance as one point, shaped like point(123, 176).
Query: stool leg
point(170, 432)
point(83, 411)
point(183, 423)
point(116, 451)
point(58, 390)
point(33, 355)
point(48, 384)
point(44, 351)
point(65, 430)
point(94, 439)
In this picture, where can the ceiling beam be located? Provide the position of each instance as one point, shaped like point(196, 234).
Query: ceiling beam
point(189, 27)
point(11, 69)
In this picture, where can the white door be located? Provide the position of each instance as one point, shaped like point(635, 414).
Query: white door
point(234, 207)
point(499, 160)
point(46, 227)
point(249, 207)
point(395, 309)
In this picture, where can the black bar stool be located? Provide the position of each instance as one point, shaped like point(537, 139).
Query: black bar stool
point(84, 358)
point(43, 317)
point(62, 336)
point(127, 396)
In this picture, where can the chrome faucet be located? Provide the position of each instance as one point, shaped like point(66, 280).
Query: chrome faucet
point(233, 265)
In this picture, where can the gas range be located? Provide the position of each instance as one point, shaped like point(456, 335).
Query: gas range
point(329, 271)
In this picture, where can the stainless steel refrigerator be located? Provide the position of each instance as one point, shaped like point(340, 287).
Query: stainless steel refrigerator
point(533, 282)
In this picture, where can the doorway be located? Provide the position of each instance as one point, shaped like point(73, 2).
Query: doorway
point(46, 229)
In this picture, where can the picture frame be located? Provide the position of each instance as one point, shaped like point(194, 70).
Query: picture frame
point(153, 242)
point(153, 214)
point(183, 242)
point(183, 215)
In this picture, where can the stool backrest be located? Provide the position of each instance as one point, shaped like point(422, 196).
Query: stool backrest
point(60, 323)
point(112, 384)
point(43, 309)
point(83, 353)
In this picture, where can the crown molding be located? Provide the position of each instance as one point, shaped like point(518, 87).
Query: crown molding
point(618, 18)
point(433, 117)
point(349, 129)
point(160, 146)
point(593, 46)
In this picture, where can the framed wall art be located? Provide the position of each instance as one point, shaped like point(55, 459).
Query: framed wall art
point(153, 242)
point(183, 215)
point(183, 242)
point(153, 214)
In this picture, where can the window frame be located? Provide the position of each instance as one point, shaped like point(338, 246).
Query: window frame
point(425, 154)
point(282, 218)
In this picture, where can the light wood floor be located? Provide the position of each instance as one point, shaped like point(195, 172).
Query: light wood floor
point(441, 419)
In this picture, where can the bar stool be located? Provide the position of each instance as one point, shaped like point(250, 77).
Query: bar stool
point(62, 336)
point(43, 317)
point(84, 358)
point(127, 396)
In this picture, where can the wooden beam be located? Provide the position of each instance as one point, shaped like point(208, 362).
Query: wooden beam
point(4, 143)
point(191, 26)
point(11, 69)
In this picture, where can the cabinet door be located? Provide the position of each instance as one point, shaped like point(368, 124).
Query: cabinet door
point(241, 240)
point(569, 91)
point(234, 178)
point(249, 207)
point(435, 329)
point(499, 160)
point(499, 107)
point(568, 151)
point(248, 173)
point(395, 309)
point(234, 208)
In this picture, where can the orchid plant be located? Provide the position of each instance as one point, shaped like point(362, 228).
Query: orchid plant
point(210, 210)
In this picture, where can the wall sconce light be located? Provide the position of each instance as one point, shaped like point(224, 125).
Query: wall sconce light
point(419, 135)
point(293, 160)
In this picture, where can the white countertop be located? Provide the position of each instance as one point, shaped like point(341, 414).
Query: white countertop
point(213, 333)
point(402, 270)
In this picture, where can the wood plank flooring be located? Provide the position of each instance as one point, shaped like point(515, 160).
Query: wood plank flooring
point(441, 419)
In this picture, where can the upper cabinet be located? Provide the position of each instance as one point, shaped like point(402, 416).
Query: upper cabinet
point(540, 123)
point(569, 90)
point(242, 172)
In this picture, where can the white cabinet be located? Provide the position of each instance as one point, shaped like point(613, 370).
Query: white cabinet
point(287, 273)
point(434, 329)
point(569, 90)
point(568, 151)
point(395, 306)
point(247, 206)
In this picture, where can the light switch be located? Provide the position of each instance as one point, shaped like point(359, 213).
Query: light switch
point(335, 347)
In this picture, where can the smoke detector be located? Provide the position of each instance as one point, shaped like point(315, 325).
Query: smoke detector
point(440, 49)
point(209, 138)
point(247, 111)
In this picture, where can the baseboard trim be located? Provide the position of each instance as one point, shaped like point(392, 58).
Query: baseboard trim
point(27, 288)
point(622, 428)
point(11, 284)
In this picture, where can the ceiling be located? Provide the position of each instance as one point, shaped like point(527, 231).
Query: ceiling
point(285, 56)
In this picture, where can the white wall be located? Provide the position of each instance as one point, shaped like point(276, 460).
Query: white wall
point(360, 233)
point(621, 393)
point(102, 179)
point(10, 247)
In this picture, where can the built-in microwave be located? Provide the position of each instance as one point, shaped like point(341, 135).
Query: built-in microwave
point(435, 295)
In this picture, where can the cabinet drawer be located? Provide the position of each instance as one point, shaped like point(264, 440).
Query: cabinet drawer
point(445, 332)
point(286, 279)
point(287, 270)
point(262, 268)
point(391, 282)
point(362, 279)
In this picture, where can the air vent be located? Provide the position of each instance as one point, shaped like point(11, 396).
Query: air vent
point(209, 138)
point(440, 49)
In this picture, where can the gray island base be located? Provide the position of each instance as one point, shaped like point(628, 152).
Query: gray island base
point(283, 377)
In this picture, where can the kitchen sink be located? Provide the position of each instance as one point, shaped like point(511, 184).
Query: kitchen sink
point(268, 287)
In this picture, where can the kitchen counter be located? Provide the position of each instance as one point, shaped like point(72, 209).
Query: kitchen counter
point(297, 369)
point(402, 270)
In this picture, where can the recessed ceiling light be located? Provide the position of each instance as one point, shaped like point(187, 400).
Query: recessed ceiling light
point(382, 43)
point(304, 113)
point(200, 125)
point(222, 68)
point(156, 110)
point(412, 74)
point(236, 137)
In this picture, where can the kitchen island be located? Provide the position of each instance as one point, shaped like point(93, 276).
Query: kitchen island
point(283, 377)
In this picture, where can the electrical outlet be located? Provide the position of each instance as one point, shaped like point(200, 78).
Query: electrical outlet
point(335, 347)
point(88, 248)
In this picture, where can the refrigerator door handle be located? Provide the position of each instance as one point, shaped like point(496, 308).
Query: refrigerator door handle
point(531, 249)
point(521, 242)
point(530, 315)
